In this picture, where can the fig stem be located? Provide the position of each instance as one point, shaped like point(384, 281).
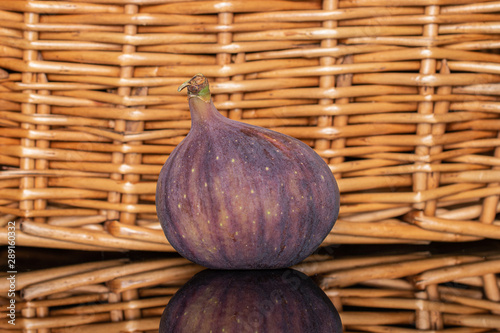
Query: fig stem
point(197, 87)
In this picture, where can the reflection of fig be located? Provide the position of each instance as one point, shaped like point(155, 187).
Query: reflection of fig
point(264, 301)
point(237, 196)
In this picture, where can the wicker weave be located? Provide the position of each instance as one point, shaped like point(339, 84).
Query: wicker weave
point(401, 98)
point(404, 292)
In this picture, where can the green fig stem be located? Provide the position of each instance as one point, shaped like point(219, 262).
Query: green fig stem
point(197, 87)
point(200, 102)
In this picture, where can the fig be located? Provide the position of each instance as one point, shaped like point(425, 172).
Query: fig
point(236, 196)
point(264, 301)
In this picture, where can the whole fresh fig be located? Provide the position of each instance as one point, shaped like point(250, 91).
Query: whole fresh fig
point(265, 301)
point(237, 196)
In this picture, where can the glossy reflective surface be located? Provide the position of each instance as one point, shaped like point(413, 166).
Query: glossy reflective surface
point(271, 301)
point(393, 288)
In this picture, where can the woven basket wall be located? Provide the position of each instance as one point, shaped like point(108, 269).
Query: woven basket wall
point(401, 98)
point(406, 292)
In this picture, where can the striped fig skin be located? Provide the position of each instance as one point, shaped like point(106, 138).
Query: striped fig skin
point(265, 301)
point(237, 196)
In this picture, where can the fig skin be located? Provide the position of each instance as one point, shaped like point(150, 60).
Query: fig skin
point(237, 196)
point(265, 301)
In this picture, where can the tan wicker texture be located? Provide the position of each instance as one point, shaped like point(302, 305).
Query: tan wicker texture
point(401, 98)
point(408, 292)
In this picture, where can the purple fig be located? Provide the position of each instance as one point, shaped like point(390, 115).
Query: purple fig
point(265, 301)
point(237, 196)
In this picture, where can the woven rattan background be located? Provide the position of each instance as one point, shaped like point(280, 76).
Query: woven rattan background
point(401, 98)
